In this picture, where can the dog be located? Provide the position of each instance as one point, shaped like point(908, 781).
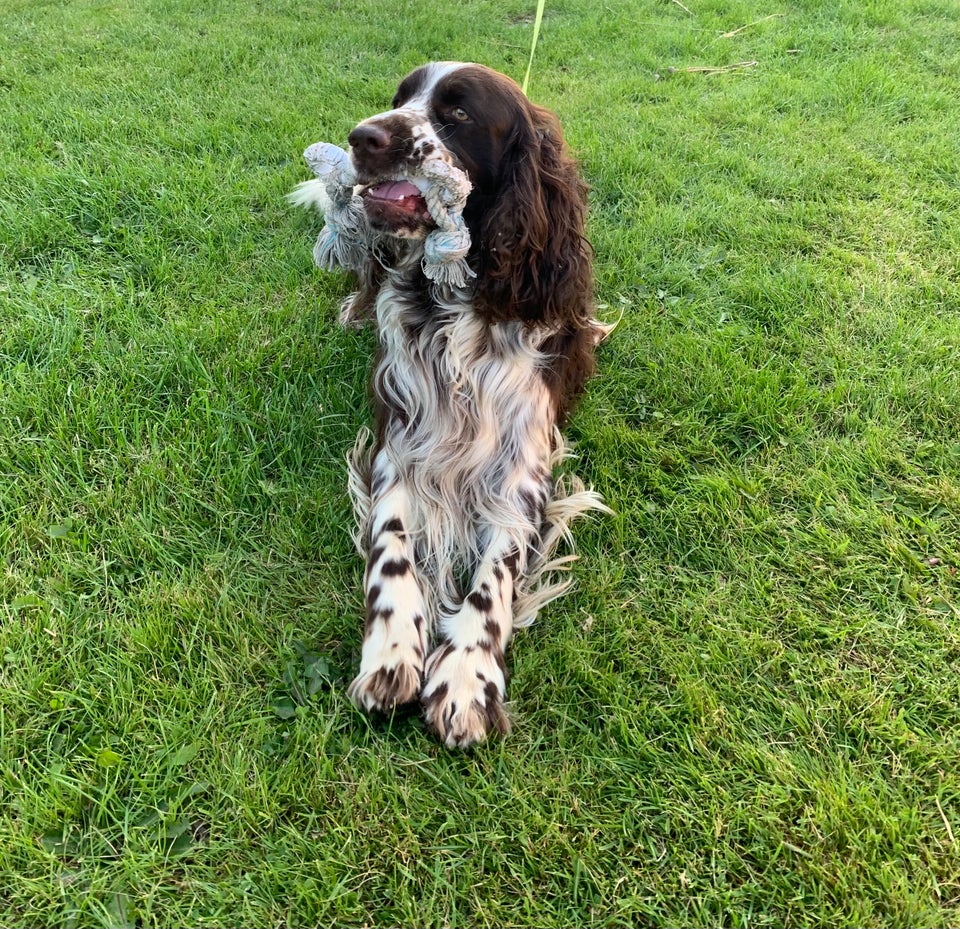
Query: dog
point(458, 511)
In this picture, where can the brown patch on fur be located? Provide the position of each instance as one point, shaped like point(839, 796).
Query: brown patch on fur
point(395, 567)
point(481, 602)
point(390, 688)
point(496, 716)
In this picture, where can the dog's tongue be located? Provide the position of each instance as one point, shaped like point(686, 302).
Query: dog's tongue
point(394, 190)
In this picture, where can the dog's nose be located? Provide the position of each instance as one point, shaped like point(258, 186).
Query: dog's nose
point(369, 139)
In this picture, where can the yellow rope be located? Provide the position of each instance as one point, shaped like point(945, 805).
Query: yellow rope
point(533, 44)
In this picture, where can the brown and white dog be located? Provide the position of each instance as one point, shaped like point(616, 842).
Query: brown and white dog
point(457, 506)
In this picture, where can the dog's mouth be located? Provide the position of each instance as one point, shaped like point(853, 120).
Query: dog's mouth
point(402, 194)
point(397, 206)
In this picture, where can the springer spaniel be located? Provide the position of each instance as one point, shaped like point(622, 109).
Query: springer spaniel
point(458, 512)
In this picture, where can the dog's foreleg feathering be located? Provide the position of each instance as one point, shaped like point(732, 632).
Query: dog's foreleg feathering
point(465, 689)
point(395, 634)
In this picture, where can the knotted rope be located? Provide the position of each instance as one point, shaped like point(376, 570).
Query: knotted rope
point(346, 237)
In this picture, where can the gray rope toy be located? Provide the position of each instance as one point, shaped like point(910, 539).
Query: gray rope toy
point(346, 238)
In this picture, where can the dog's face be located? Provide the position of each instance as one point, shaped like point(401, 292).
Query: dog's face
point(462, 113)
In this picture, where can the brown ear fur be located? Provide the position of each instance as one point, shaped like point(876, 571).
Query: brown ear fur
point(534, 261)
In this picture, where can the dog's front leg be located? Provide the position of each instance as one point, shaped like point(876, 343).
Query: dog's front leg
point(395, 634)
point(466, 687)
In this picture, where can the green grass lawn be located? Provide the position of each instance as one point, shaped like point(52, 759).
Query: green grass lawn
point(748, 711)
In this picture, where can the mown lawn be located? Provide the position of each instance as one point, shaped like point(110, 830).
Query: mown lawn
point(747, 713)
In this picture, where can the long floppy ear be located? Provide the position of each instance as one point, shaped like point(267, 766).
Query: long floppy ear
point(534, 261)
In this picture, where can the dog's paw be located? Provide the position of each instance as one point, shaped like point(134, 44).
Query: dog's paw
point(463, 698)
point(385, 688)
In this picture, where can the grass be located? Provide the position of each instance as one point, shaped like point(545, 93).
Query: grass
point(748, 711)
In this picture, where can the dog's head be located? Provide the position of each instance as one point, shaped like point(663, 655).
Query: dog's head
point(527, 208)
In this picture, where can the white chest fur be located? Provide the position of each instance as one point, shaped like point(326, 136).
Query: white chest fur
point(468, 423)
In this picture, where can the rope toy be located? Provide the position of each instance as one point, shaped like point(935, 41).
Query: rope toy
point(346, 238)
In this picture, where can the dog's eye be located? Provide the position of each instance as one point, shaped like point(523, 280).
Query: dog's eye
point(460, 114)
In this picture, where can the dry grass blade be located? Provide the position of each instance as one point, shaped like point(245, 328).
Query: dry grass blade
point(946, 823)
point(756, 22)
point(722, 69)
